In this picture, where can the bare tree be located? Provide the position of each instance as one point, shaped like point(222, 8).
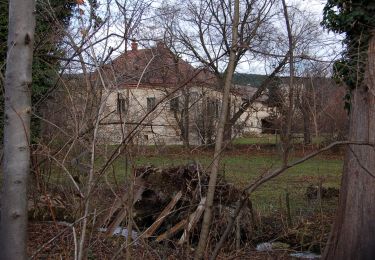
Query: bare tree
point(202, 33)
point(286, 127)
point(16, 161)
point(207, 218)
point(132, 15)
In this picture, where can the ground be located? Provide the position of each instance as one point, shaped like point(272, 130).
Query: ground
point(288, 208)
point(243, 162)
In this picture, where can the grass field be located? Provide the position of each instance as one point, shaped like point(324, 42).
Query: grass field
point(265, 139)
point(241, 164)
point(305, 227)
point(274, 139)
point(241, 167)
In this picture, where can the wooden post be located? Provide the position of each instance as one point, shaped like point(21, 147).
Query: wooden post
point(289, 216)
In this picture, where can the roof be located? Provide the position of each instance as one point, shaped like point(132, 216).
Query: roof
point(154, 67)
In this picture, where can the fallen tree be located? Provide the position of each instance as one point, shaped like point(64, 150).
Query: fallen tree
point(168, 204)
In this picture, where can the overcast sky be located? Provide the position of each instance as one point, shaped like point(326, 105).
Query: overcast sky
point(330, 51)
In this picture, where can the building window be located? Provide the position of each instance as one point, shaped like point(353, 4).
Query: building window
point(121, 104)
point(194, 96)
point(217, 108)
point(174, 104)
point(151, 103)
point(213, 106)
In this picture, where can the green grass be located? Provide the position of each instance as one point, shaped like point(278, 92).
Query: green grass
point(272, 139)
point(241, 169)
point(263, 139)
point(241, 166)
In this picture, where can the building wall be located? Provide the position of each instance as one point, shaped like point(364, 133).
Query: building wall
point(252, 118)
point(160, 126)
point(157, 128)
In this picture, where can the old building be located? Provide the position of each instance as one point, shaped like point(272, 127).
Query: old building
point(166, 100)
point(148, 96)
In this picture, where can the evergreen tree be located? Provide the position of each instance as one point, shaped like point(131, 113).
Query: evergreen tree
point(49, 18)
point(355, 19)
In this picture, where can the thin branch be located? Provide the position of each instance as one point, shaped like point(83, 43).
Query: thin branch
point(264, 178)
point(360, 163)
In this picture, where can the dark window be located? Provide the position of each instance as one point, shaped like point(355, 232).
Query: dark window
point(194, 96)
point(151, 102)
point(217, 108)
point(174, 104)
point(213, 107)
point(121, 104)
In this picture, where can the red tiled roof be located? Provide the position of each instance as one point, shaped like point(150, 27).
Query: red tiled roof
point(154, 67)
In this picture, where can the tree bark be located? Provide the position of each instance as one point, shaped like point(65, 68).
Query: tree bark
point(304, 108)
point(219, 138)
point(228, 126)
point(306, 126)
point(16, 161)
point(186, 117)
point(286, 133)
point(353, 234)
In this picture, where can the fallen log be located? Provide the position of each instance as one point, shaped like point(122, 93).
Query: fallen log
point(120, 206)
point(150, 231)
point(193, 219)
point(180, 225)
point(159, 192)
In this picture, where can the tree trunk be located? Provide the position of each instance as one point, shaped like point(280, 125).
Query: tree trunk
point(219, 139)
point(228, 126)
point(186, 117)
point(16, 161)
point(306, 118)
point(306, 127)
point(286, 134)
point(353, 234)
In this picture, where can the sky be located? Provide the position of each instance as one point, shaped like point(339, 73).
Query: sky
point(330, 51)
point(328, 48)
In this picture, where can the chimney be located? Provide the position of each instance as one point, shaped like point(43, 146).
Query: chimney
point(134, 45)
point(160, 45)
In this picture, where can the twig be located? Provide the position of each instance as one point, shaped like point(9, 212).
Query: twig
point(252, 187)
point(75, 243)
point(360, 164)
point(55, 237)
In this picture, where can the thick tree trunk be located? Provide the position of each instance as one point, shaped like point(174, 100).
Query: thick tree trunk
point(16, 161)
point(353, 234)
